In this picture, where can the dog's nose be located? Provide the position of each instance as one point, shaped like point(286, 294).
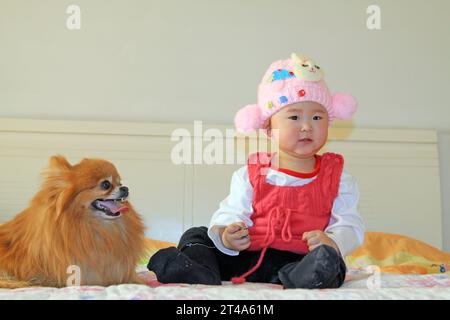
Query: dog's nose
point(123, 192)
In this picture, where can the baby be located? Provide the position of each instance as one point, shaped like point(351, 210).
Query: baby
point(291, 216)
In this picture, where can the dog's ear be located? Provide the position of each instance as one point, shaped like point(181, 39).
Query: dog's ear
point(57, 179)
point(57, 170)
point(56, 173)
point(59, 162)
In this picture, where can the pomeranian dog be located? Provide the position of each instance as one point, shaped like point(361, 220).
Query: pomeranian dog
point(78, 227)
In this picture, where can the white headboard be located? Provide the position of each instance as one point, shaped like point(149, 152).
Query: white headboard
point(397, 172)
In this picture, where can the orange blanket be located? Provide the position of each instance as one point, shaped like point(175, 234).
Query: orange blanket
point(395, 253)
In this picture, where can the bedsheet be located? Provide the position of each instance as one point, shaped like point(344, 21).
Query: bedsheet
point(358, 285)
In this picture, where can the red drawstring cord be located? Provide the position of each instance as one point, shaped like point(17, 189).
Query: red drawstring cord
point(241, 279)
point(286, 227)
point(270, 236)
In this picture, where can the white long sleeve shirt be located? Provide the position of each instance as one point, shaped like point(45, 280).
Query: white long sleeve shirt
point(345, 228)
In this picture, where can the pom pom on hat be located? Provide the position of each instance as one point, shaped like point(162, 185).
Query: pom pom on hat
point(344, 105)
point(248, 118)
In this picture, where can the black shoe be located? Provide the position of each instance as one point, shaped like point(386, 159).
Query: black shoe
point(172, 266)
point(321, 268)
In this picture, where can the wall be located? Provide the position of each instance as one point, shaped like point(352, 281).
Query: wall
point(180, 61)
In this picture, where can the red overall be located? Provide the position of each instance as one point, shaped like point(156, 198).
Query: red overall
point(281, 214)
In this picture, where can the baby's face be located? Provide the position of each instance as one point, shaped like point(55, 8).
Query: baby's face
point(301, 129)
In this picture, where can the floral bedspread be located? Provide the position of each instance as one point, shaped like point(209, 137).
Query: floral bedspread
point(358, 285)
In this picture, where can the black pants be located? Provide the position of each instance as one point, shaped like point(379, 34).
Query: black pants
point(198, 261)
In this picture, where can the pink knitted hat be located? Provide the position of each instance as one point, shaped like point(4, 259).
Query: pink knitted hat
point(290, 81)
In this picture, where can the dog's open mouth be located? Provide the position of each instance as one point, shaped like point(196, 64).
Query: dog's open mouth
point(110, 207)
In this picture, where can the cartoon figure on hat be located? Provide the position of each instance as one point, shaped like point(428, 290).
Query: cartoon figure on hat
point(306, 69)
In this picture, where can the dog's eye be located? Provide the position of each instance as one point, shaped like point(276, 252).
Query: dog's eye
point(105, 185)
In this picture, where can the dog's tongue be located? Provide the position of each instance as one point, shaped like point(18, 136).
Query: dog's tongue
point(114, 206)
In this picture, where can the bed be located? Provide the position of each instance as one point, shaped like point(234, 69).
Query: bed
point(417, 287)
point(387, 266)
point(400, 259)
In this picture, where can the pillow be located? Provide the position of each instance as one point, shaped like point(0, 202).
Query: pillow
point(395, 253)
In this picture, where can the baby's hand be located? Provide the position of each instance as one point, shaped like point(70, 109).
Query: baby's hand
point(235, 236)
point(316, 238)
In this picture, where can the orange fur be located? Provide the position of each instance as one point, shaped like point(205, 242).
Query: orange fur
point(60, 229)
